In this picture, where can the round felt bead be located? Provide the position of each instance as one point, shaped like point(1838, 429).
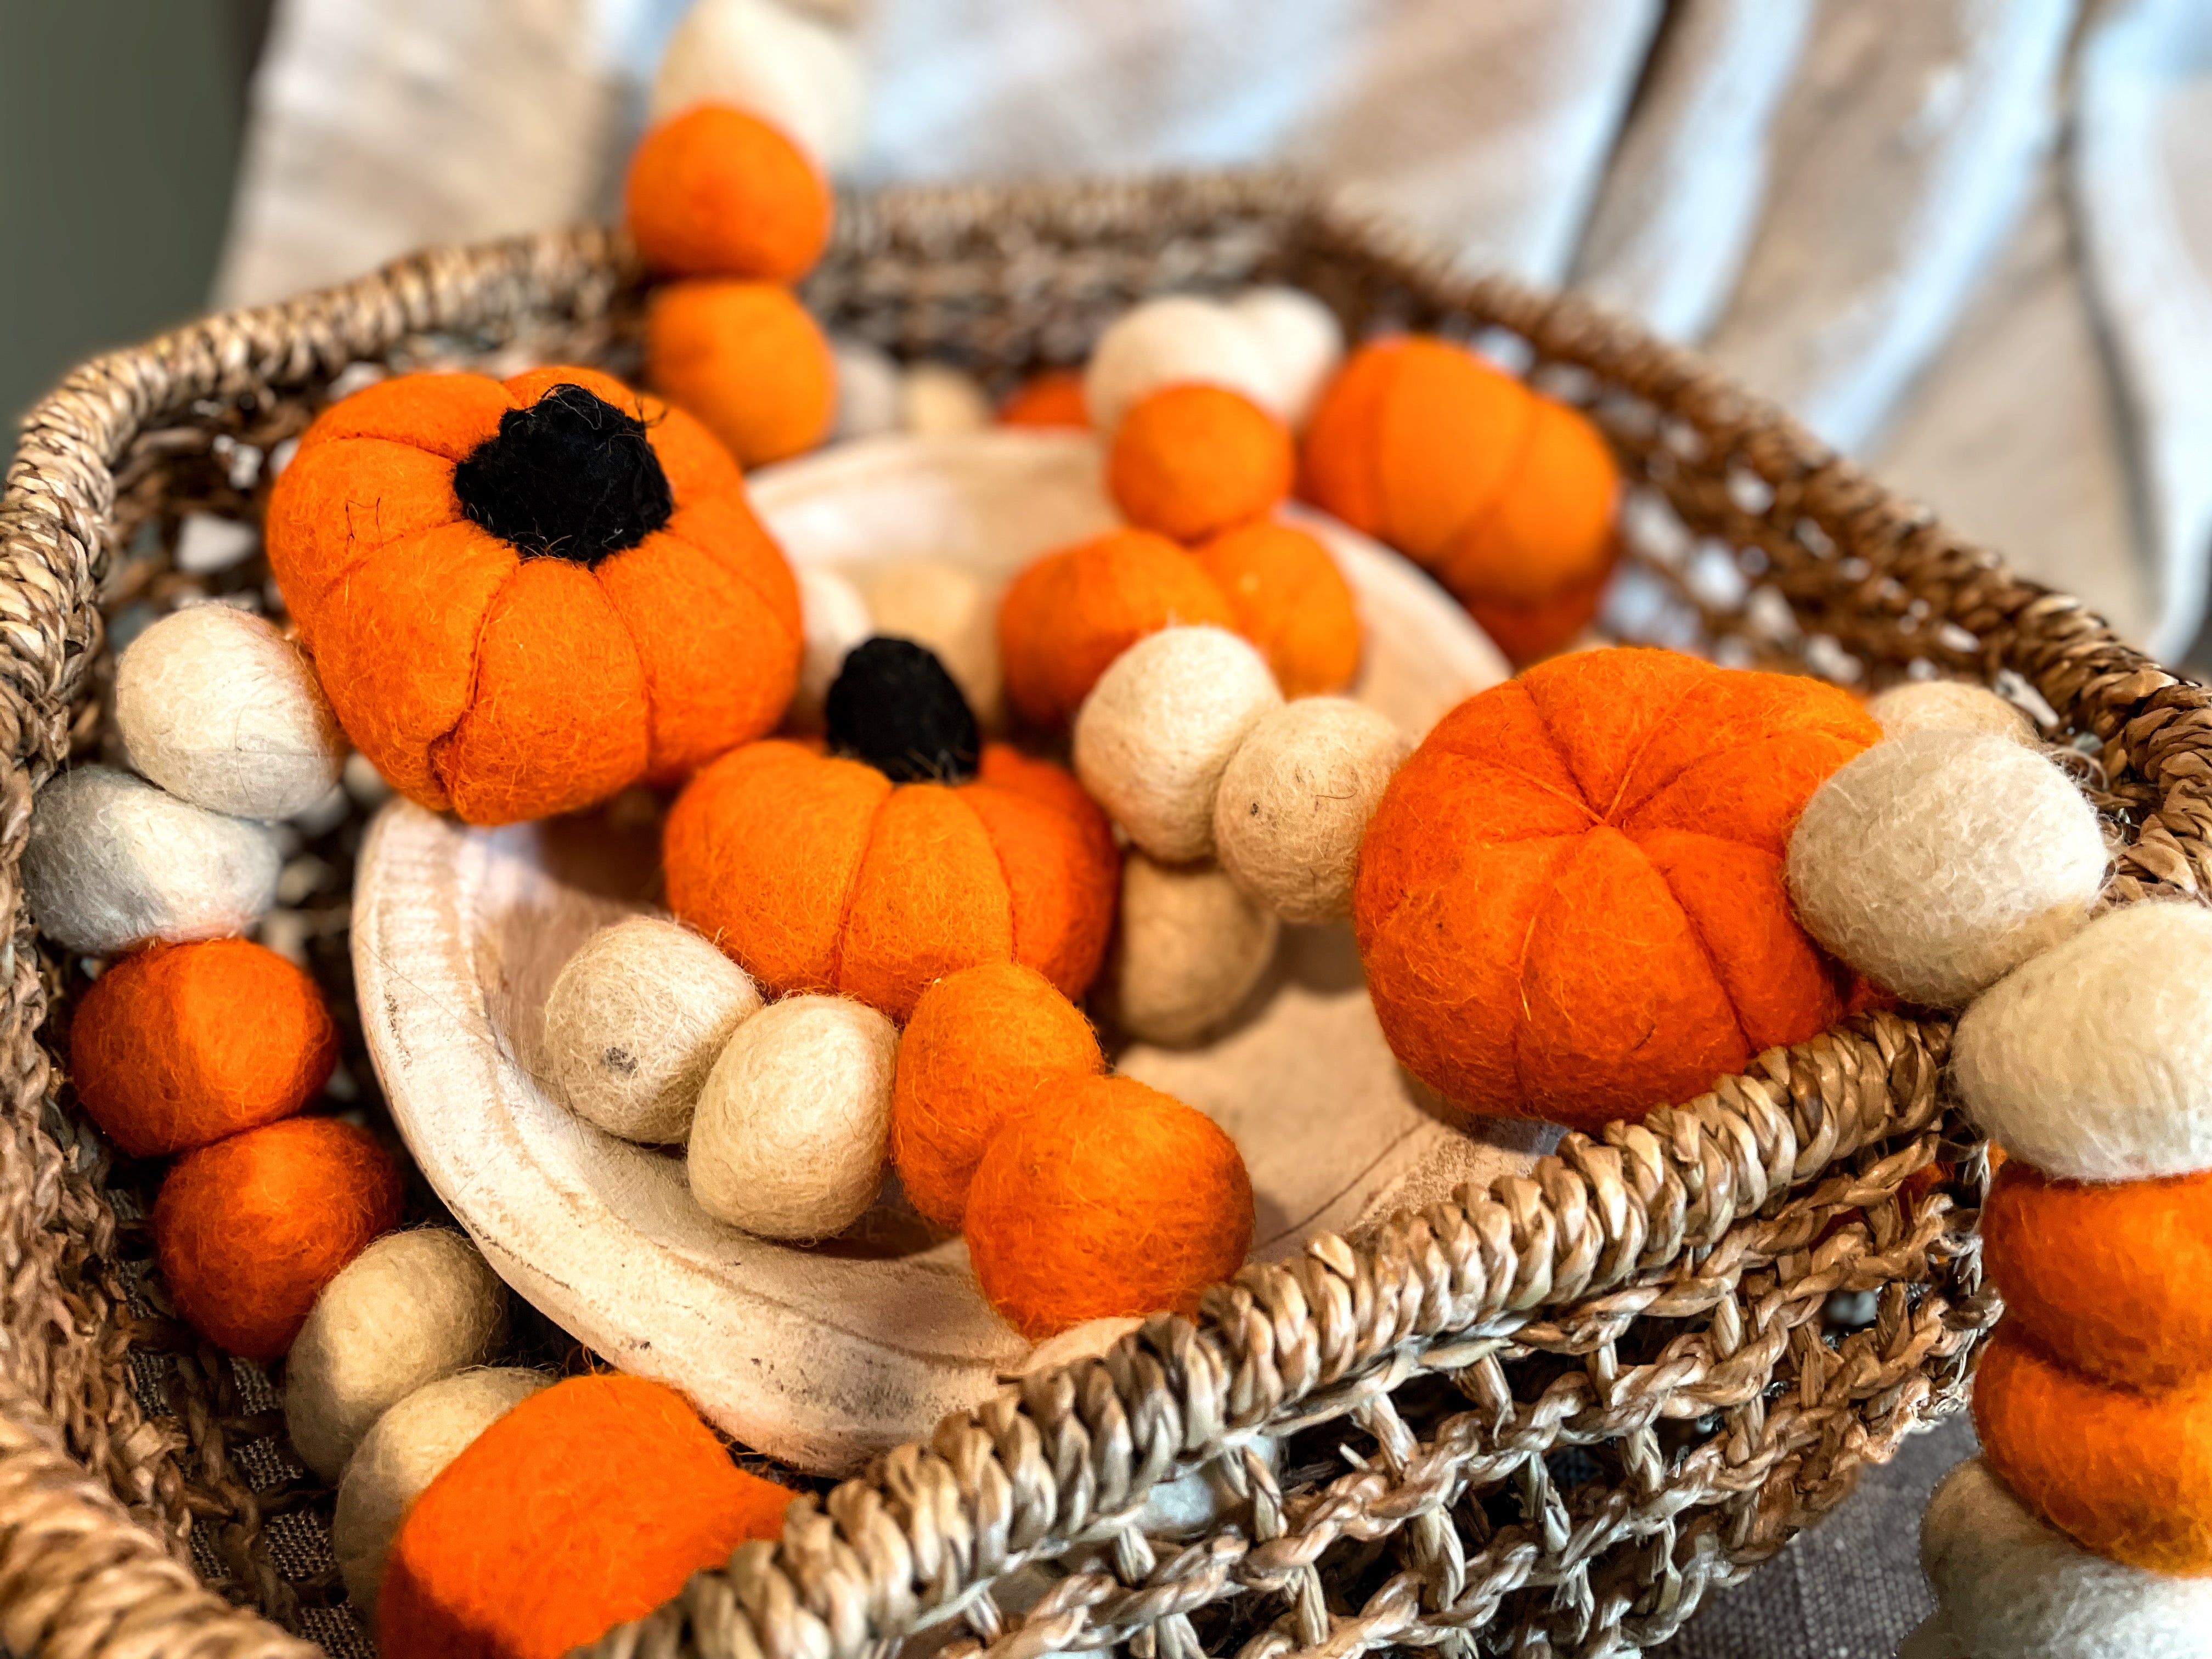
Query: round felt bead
point(1938, 862)
point(937, 400)
point(1949, 705)
point(773, 62)
point(1302, 341)
point(1191, 461)
point(1295, 801)
point(411, 1308)
point(1169, 341)
point(1053, 399)
point(222, 710)
point(747, 361)
point(1157, 730)
point(945, 608)
point(112, 862)
point(2093, 1062)
point(1188, 949)
point(790, 1136)
point(713, 191)
point(835, 618)
point(1287, 597)
point(868, 390)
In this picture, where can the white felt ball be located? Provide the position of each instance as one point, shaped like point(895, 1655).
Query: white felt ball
point(1936, 862)
point(937, 400)
point(2093, 1062)
point(635, 1022)
point(1949, 705)
point(406, 1450)
point(222, 710)
point(1189, 947)
point(947, 609)
point(1302, 340)
point(411, 1308)
point(790, 1136)
point(2010, 1585)
point(1157, 731)
point(111, 862)
point(1167, 343)
point(789, 70)
point(869, 392)
point(833, 618)
point(1294, 802)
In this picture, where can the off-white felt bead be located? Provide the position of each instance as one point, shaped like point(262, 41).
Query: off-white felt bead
point(1294, 802)
point(406, 1450)
point(1937, 862)
point(790, 1136)
point(2010, 1585)
point(833, 618)
point(1949, 705)
point(869, 394)
point(222, 710)
point(1189, 947)
point(1302, 341)
point(2093, 1062)
point(789, 70)
point(947, 609)
point(411, 1308)
point(1167, 343)
point(937, 400)
point(635, 1022)
point(1157, 731)
point(111, 862)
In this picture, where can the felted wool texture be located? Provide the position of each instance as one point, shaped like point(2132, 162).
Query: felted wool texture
point(177, 1046)
point(1069, 614)
point(1949, 705)
point(2093, 1062)
point(1302, 341)
point(635, 1022)
point(792, 70)
point(792, 1131)
point(2126, 1475)
point(222, 710)
point(1105, 1197)
point(1294, 802)
point(1570, 904)
point(1053, 398)
point(747, 361)
point(1191, 461)
point(1173, 341)
point(983, 1044)
point(893, 706)
point(1189, 947)
point(937, 400)
point(715, 192)
point(1937, 862)
point(1156, 731)
point(1287, 597)
point(834, 618)
point(411, 1308)
point(945, 608)
point(111, 862)
point(585, 1505)
point(403, 1452)
point(249, 1230)
point(2107, 1277)
point(1062, 869)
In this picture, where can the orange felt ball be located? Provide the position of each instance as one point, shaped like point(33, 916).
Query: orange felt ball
point(982, 1045)
point(179, 1045)
point(1529, 631)
point(2108, 1278)
point(717, 192)
point(586, 1505)
point(248, 1230)
point(1193, 460)
point(747, 361)
point(1291, 600)
point(1069, 614)
point(1104, 1198)
point(1053, 398)
point(1569, 903)
point(2126, 1475)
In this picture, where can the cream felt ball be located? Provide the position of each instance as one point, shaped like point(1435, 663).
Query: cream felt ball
point(1189, 947)
point(791, 1135)
point(1302, 341)
point(1936, 862)
point(937, 400)
point(1949, 705)
point(408, 1448)
point(1294, 802)
point(635, 1022)
point(764, 58)
point(2093, 1062)
point(111, 862)
point(868, 390)
point(1174, 342)
point(411, 1308)
point(833, 618)
point(948, 609)
point(2010, 1583)
point(222, 710)
point(1159, 729)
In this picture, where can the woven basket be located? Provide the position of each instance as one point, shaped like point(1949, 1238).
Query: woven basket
point(1543, 1419)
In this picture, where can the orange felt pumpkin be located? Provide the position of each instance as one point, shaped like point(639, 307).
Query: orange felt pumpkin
point(717, 192)
point(747, 361)
point(523, 596)
point(1570, 902)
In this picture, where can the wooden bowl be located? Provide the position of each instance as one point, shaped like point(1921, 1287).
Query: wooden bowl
point(822, 1356)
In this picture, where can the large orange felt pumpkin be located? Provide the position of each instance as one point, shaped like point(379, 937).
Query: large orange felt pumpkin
point(523, 596)
point(1570, 902)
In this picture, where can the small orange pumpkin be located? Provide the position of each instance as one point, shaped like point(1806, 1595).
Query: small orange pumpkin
point(523, 596)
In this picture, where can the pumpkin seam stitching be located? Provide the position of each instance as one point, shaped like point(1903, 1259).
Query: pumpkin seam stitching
point(1005, 877)
point(852, 892)
point(437, 748)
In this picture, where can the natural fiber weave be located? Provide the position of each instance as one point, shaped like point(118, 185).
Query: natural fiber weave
point(1544, 1420)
